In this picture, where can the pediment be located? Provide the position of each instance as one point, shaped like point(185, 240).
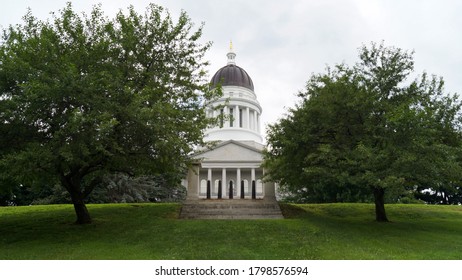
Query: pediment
point(232, 151)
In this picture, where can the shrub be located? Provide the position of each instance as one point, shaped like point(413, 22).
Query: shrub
point(121, 188)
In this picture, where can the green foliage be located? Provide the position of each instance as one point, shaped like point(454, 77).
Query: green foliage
point(114, 188)
point(82, 96)
point(364, 130)
point(152, 232)
point(120, 188)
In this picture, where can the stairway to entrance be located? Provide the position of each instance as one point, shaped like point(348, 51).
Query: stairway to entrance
point(230, 209)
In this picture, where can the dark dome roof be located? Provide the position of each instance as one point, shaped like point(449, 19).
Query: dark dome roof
point(232, 75)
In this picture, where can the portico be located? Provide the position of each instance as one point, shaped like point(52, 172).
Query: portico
point(235, 182)
point(231, 170)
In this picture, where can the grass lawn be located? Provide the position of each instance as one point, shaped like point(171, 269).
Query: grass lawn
point(153, 231)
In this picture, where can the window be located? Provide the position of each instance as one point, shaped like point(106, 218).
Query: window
point(203, 188)
point(259, 187)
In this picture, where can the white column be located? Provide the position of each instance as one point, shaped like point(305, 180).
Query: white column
point(236, 116)
point(252, 174)
point(258, 123)
point(223, 183)
point(247, 118)
point(251, 120)
point(255, 121)
point(238, 182)
point(209, 175)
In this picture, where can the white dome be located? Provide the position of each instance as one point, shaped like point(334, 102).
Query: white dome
point(240, 103)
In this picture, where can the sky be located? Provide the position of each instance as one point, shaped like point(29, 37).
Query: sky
point(282, 43)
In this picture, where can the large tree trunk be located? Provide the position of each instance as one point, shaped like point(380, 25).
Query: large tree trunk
point(77, 197)
point(380, 215)
point(83, 216)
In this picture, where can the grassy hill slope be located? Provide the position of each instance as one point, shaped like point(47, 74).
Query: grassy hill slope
point(153, 231)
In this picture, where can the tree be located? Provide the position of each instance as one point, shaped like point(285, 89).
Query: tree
point(120, 188)
point(361, 131)
point(83, 96)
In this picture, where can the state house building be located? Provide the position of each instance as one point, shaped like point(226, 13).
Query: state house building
point(231, 170)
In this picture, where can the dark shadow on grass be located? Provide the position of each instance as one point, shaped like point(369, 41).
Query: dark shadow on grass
point(291, 211)
point(358, 218)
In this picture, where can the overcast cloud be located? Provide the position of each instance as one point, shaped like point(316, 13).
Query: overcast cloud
point(281, 43)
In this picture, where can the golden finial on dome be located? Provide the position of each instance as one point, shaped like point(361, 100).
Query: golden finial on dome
point(230, 45)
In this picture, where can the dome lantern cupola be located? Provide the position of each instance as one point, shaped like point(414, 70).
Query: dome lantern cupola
point(231, 55)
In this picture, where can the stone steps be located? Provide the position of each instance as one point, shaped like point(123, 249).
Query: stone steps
point(231, 209)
